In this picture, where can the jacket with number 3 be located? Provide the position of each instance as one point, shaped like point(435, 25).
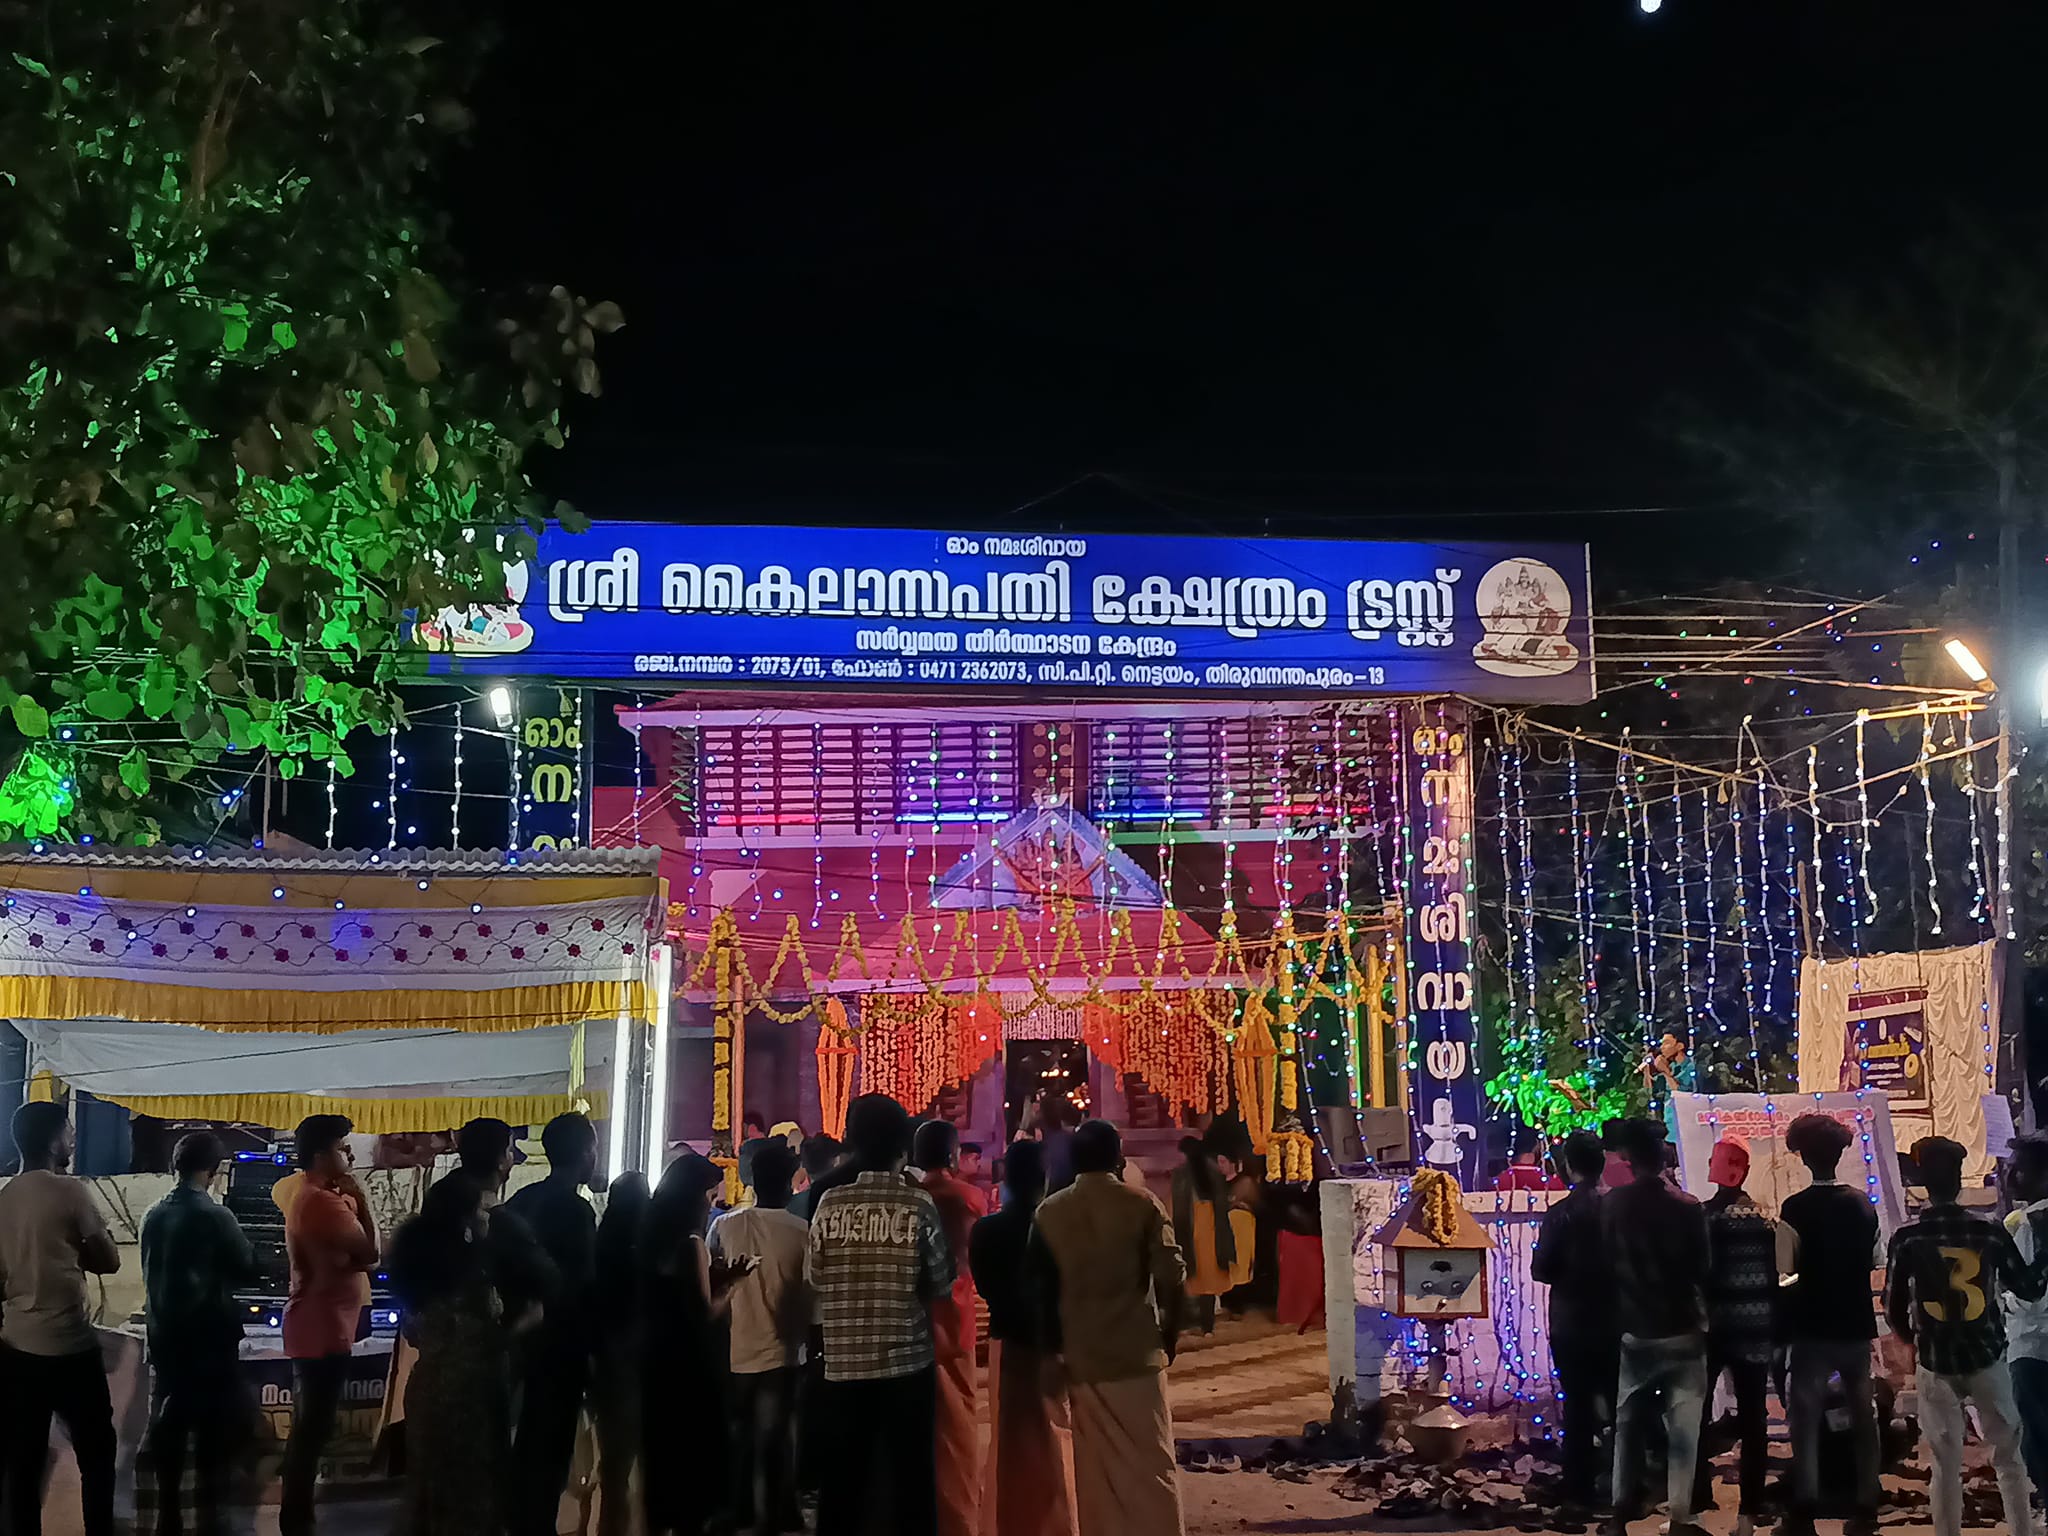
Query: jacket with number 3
point(1943, 1277)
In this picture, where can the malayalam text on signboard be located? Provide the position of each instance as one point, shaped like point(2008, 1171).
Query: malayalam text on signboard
point(839, 607)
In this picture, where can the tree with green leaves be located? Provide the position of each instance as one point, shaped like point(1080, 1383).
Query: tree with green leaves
point(1544, 1074)
point(250, 417)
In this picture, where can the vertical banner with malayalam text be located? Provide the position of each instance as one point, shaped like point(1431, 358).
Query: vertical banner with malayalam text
point(1437, 853)
point(553, 761)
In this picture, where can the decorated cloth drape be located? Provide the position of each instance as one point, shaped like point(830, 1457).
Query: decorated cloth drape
point(408, 989)
point(1922, 1027)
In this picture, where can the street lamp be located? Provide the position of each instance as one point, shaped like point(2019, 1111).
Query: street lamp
point(2007, 914)
point(1966, 659)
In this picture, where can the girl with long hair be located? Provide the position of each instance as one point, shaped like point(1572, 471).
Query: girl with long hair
point(458, 1399)
point(617, 1386)
point(683, 1409)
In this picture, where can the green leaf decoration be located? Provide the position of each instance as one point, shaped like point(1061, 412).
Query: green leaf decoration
point(30, 718)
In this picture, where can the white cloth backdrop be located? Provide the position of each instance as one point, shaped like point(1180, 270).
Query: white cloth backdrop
point(1962, 987)
point(121, 1058)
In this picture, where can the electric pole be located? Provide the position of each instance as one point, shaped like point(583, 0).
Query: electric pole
point(2012, 1006)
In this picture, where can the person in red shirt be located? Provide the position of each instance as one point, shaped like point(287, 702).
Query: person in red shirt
point(331, 1240)
point(936, 1152)
point(1527, 1172)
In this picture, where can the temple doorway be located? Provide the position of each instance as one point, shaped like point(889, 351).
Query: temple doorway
point(1033, 1069)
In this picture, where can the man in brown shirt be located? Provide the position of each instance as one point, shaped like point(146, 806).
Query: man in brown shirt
point(1110, 1278)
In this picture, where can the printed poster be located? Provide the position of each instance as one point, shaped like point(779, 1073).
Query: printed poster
point(1885, 1047)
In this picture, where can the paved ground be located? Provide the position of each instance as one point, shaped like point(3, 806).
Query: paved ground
point(1250, 1379)
point(1231, 1504)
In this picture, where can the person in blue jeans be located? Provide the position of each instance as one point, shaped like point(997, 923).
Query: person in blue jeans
point(2026, 1322)
point(1656, 1240)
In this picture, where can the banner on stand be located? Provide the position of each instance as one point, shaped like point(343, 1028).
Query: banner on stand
point(1759, 1121)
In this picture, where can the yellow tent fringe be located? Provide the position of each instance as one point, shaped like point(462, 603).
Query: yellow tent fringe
point(286, 1012)
point(372, 1117)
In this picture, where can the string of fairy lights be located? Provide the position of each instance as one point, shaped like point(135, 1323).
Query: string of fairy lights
point(1680, 887)
point(1677, 899)
point(1687, 869)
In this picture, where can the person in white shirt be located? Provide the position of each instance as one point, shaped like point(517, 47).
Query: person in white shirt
point(771, 1314)
point(2026, 1322)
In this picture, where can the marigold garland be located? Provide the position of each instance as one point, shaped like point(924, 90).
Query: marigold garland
point(726, 1015)
point(1290, 1155)
point(914, 1047)
point(1188, 1044)
point(1254, 1058)
point(836, 1053)
point(1168, 1045)
point(1436, 1195)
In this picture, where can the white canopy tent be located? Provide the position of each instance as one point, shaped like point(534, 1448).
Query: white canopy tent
point(408, 990)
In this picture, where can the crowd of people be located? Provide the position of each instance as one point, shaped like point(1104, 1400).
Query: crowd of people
point(1655, 1296)
point(814, 1340)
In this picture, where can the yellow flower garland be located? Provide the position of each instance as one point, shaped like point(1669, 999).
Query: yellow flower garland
point(1438, 1196)
point(1184, 1048)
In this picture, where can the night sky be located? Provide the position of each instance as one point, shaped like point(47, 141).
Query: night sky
point(1276, 266)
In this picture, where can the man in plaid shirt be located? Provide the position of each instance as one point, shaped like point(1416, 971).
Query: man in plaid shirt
point(1942, 1279)
point(878, 1260)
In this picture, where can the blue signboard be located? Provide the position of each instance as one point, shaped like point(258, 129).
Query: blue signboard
point(1440, 897)
point(895, 608)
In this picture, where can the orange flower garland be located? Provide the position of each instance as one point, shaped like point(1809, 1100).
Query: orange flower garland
point(726, 1015)
point(836, 1053)
point(1163, 1040)
point(1189, 1043)
point(914, 1046)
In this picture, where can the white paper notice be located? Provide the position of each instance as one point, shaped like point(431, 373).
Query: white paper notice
point(1997, 1126)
